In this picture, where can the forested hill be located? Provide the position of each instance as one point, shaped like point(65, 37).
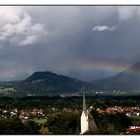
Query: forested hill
point(48, 82)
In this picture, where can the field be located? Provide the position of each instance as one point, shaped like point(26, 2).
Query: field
point(40, 121)
point(134, 118)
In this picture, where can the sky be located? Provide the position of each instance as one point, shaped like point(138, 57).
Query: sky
point(84, 42)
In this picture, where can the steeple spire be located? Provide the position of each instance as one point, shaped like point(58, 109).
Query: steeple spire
point(84, 101)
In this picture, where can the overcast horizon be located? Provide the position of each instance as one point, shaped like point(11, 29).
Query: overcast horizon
point(84, 42)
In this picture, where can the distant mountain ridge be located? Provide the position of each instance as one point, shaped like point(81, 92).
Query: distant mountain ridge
point(128, 79)
point(48, 82)
point(42, 83)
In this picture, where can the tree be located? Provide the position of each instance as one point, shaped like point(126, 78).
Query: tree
point(16, 127)
point(64, 123)
point(109, 123)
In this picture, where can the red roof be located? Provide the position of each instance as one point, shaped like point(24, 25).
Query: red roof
point(133, 130)
point(108, 110)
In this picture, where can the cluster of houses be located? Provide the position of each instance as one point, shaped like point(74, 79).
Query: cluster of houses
point(22, 114)
point(26, 114)
point(127, 109)
point(38, 112)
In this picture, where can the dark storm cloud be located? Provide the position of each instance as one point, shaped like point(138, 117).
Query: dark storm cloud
point(56, 38)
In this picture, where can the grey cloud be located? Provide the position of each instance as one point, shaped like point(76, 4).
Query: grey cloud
point(58, 38)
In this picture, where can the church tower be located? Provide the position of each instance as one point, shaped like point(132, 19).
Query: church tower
point(84, 116)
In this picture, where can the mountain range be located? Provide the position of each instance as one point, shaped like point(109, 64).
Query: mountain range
point(41, 83)
point(128, 79)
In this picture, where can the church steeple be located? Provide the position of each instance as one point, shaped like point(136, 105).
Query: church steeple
point(84, 115)
point(87, 121)
point(84, 100)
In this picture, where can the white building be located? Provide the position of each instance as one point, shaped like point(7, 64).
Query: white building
point(84, 117)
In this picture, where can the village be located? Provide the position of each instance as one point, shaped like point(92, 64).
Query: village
point(22, 114)
point(39, 112)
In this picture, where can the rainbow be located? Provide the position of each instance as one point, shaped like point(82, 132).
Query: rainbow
point(101, 65)
point(108, 66)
